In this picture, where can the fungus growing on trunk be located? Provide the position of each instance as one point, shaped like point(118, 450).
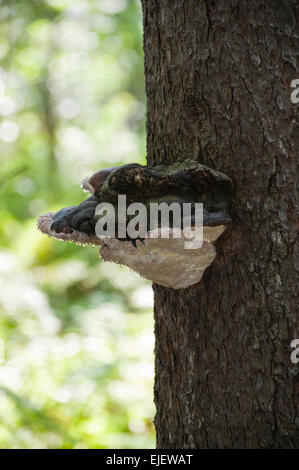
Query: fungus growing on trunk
point(166, 252)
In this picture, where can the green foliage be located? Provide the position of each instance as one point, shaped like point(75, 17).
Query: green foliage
point(76, 341)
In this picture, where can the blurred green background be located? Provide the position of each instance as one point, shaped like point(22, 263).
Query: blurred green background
point(76, 335)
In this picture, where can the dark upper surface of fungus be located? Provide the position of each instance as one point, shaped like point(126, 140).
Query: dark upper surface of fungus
point(181, 182)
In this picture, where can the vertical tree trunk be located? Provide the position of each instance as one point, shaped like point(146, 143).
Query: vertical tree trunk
point(218, 77)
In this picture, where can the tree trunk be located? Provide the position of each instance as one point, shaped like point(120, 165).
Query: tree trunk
point(218, 77)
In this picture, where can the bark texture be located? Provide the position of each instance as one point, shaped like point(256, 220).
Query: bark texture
point(218, 77)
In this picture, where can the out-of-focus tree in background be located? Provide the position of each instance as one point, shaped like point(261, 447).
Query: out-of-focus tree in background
point(76, 339)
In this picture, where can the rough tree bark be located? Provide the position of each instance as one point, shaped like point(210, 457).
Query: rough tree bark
point(218, 77)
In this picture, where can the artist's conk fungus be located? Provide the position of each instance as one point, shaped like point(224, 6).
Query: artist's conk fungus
point(165, 261)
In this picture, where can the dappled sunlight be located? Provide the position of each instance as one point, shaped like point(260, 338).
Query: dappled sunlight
point(76, 334)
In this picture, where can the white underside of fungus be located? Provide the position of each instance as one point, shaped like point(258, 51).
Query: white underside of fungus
point(165, 261)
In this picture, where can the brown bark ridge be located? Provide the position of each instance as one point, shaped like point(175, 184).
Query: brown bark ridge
point(218, 77)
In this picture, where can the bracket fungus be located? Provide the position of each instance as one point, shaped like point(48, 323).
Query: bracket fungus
point(168, 253)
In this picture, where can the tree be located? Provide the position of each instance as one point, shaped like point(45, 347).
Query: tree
point(218, 78)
